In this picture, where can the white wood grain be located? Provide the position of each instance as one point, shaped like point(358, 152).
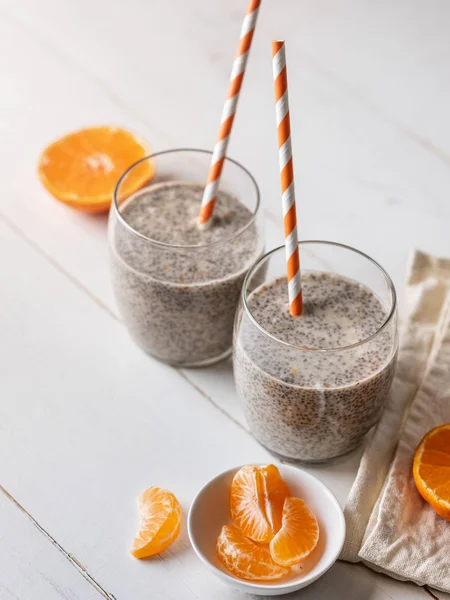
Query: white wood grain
point(356, 173)
point(93, 421)
point(400, 68)
point(31, 566)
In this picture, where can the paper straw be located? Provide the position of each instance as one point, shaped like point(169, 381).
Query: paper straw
point(287, 177)
point(229, 110)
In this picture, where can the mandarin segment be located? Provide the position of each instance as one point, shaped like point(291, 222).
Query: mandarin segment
point(82, 168)
point(298, 535)
point(246, 559)
point(276, 491)
point(160, 522)
point(256, 501)
point(431, 469)
point(245, 504)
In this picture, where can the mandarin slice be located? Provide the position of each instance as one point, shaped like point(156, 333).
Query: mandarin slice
point(160, 522)
point(256, 501)
point(431, 469)
point(298, 535)
point(82, 169)
point(246, 559)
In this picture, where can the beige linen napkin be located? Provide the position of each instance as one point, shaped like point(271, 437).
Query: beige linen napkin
point(389, 527)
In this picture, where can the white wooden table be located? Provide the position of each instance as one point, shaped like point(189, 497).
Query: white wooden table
point(86, 419)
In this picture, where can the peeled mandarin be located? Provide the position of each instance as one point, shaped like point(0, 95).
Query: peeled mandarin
point(160, 522)
point(246, 559)
point(298, 536)
point(256, 501)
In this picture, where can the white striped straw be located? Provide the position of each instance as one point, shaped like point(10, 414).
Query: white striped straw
point(229, 110)
point(287, 178)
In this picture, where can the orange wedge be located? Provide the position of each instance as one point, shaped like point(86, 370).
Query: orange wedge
point(82, 169)
point(245, 559)
point(256, 501)
point(298, 535)
point(431, 469)
point(160, 522)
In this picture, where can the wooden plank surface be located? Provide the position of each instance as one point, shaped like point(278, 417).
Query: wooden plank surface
point(33, 565)
point(94, 421)
point(89, 420)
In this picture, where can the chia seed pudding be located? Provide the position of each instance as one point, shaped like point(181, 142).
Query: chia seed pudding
point(305, 399)
point(177, 287)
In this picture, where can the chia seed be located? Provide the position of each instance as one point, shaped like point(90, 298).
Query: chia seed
point(179, 302)
point(317, 400)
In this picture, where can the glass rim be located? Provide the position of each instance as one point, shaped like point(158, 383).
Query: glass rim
point(116, 205)
point(323, 350)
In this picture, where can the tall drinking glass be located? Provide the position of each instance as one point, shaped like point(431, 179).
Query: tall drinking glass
point(177, 286)
point(314, 385)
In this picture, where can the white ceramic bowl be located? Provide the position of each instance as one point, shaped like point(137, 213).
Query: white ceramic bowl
point(210, 511)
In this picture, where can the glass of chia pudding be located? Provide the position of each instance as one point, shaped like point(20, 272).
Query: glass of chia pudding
point(313, 386)
point(177, 286)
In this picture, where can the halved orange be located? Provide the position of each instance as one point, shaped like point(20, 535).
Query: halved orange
point(431, 469)
point(82, 169)
point(244, 558)
point(298, 535)
point(256, 501)
point(160, 522)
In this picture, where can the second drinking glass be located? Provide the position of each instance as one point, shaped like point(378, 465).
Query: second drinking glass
point(178, 286)
point(314, 385)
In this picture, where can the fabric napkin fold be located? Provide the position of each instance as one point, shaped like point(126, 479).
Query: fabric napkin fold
point(389, 527)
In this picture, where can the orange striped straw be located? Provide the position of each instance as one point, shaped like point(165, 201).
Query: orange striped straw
point(287, 177)
point(229, 110)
